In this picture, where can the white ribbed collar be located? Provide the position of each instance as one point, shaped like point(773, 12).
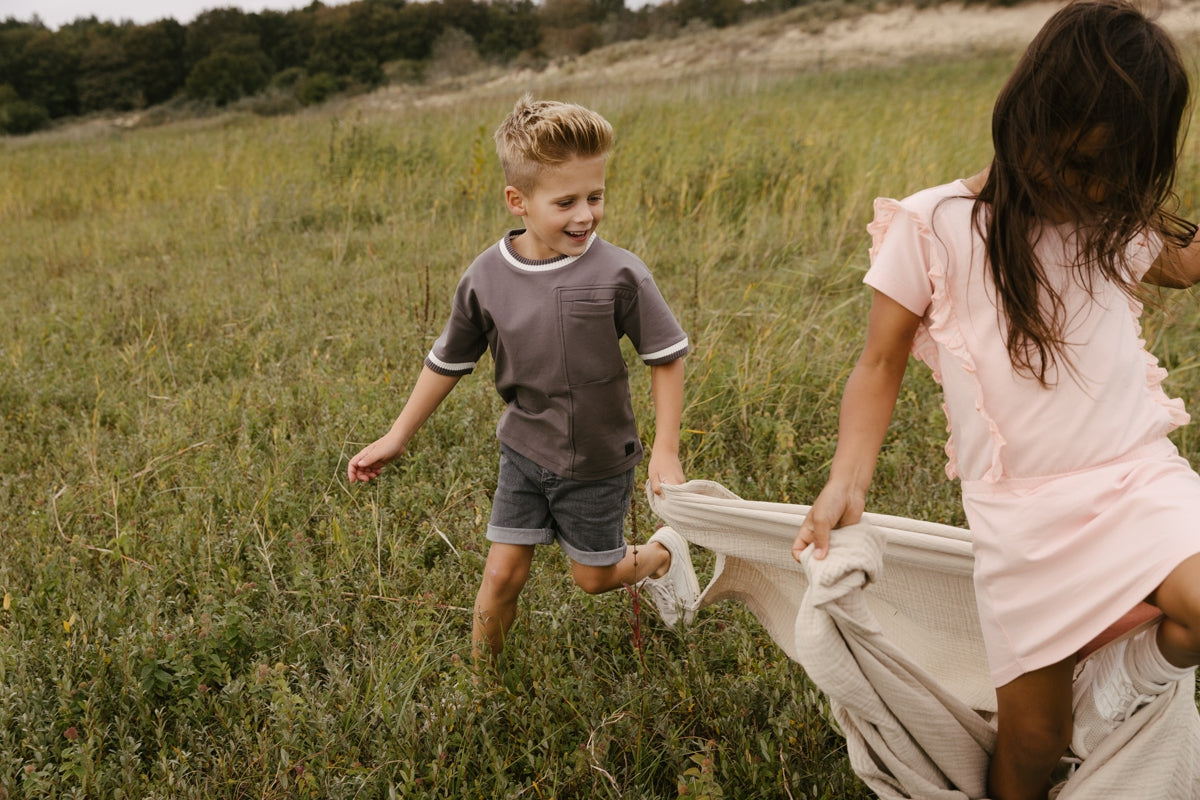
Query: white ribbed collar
point(520, 262)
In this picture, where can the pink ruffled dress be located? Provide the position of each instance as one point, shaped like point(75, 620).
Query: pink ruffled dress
point(1078, 504)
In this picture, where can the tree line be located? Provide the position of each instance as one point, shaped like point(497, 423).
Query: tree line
point(304, 56)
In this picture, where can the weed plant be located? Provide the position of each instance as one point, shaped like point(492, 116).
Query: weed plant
point(202, 322)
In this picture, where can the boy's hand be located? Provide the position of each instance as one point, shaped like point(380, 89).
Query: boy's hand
point(834, 508)
point(371, 460)
point(664, 469)
point(431, 389)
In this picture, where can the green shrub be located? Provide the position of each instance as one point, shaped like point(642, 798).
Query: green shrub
point(21, 116)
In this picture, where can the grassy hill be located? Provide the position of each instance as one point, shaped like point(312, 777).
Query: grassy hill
point(204, 320)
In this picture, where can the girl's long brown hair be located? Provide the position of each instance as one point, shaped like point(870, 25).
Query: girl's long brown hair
point(1086, 132)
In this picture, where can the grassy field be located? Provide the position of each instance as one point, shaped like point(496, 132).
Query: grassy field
point(203, 321)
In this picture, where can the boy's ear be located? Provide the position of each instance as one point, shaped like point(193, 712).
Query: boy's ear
point(515, 200)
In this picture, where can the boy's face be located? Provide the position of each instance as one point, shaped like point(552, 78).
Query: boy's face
point(562, 211)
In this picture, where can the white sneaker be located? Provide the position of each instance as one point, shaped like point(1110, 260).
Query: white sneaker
point(1104, 696)
point(677, 593)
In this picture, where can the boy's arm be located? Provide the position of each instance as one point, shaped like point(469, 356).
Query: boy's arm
point(666, 389)
point(1175, 267)
point(428, 393)
point(867, 405)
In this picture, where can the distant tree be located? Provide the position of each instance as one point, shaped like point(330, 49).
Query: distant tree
point(338, 48)
point(375, 26)
point(466, 15)
point(155, 53)
point(568, 27)
point(106, 78)
point(312, 52)
point(606, 9)
point(286, 38)
point(46, 70)
point(213, 31)
point(512, 29)
point(419, 25)
point(12, 23)
point(718, 13)
point(14, 36)
point(224, 56)
point(223, 76)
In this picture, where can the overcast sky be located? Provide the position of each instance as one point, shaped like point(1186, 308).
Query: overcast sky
point(55, 13)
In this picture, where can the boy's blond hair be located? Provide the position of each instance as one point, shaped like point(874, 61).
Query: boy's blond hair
point(538, 134)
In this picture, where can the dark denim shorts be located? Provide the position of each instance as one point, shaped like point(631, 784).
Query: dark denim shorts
point(535, 506)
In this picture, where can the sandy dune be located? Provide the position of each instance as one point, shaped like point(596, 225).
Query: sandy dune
point(947, 29)
point(796, 40)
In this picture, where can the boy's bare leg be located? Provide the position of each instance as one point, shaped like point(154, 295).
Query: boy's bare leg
point(1033, 731)
point(641, 561)
point(504, 576)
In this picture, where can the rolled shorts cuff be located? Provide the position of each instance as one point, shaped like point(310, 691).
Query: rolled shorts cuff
point(523, 536)
point(536, 536)
point(590, 558)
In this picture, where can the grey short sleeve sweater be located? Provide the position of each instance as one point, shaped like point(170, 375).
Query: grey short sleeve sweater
point(554, 330)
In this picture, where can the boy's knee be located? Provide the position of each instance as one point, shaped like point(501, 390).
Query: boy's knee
point(590, 586)
point(592, 580)
point(504, 580)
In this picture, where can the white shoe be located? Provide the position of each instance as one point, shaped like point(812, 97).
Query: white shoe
point(1104, 696)
point(677, 593)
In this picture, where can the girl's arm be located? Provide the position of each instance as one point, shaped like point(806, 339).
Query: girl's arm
point(428, 393)
point(1175, 267)
point(867, 405)
point(666, 389)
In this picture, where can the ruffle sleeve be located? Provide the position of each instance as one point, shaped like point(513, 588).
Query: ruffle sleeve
point(1176, 411)
point(1141, 256)
point(940, 331)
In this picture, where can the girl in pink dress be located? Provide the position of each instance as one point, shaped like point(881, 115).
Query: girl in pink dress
point(1020, 287)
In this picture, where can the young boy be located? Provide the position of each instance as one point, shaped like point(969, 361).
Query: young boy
point(552, 301)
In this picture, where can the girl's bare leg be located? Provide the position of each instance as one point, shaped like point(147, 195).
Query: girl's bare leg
point(1033, 730)
point(1179, 599)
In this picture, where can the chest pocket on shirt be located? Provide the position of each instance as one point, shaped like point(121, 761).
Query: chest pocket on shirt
point(591, 343)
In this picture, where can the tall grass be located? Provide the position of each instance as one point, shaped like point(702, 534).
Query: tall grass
point(202, 322)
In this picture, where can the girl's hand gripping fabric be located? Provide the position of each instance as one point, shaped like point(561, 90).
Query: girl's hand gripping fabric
point(835, 507)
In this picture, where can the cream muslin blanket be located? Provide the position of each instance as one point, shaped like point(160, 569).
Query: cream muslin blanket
point(886, 627)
